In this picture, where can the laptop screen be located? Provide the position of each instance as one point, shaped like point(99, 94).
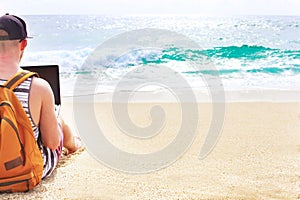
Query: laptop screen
point(51, 74)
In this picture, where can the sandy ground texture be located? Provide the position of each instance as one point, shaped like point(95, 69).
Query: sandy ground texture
point(256, 157)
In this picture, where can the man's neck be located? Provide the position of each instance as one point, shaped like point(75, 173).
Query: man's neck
point(8, 69)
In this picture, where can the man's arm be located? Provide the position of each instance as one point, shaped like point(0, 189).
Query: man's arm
point(42, 110)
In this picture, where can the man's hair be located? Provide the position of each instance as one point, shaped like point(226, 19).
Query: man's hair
point(3, 33)
point(6, 45)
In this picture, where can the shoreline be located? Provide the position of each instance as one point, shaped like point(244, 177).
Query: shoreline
point(258, 95)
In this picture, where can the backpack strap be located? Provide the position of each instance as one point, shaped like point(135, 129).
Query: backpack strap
point(18, 78)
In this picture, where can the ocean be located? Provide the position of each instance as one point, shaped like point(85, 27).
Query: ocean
point(250, 53)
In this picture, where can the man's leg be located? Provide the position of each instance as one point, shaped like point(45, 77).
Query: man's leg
point(71, 142)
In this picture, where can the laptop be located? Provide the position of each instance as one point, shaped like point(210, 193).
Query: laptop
point(51, 74)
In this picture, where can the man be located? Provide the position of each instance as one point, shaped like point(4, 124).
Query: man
point(35, 94)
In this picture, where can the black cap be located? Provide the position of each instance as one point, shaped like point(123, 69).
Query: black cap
point(14, 26)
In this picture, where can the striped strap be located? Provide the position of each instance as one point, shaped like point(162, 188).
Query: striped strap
point(18, 78)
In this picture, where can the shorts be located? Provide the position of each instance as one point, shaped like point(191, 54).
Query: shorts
point(51, 157)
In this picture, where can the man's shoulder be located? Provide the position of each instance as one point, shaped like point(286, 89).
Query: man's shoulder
point(40, 84)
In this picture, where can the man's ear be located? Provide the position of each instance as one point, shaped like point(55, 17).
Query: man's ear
point(23, 44)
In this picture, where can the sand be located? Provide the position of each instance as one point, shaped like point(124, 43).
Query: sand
point(256, 157)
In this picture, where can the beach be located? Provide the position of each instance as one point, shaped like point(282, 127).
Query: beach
point(170, 68)
point(256, 157)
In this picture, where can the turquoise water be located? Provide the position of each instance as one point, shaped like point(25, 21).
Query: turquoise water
point(249, 52)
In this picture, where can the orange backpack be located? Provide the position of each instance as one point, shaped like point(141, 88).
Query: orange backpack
point(21, 163)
